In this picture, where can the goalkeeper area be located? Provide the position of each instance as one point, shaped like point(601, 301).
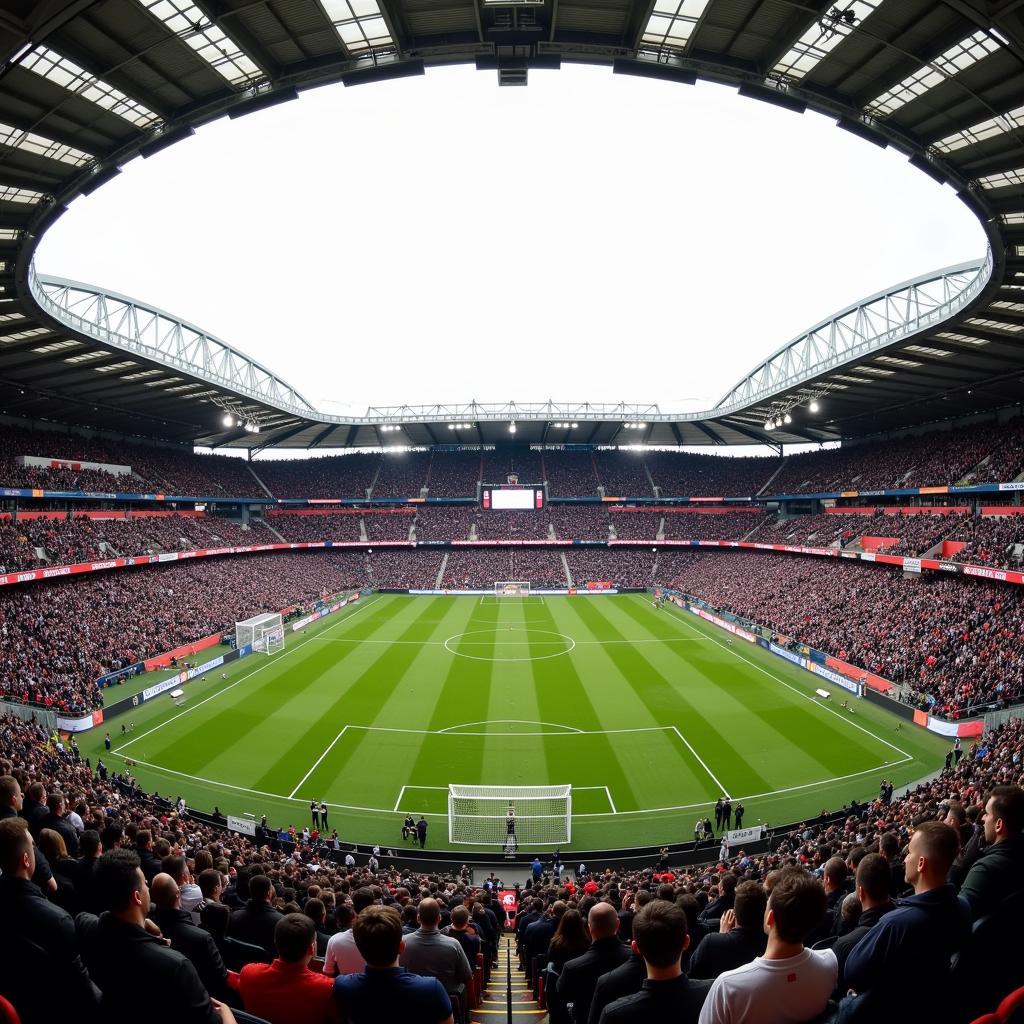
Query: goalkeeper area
point(639, 717)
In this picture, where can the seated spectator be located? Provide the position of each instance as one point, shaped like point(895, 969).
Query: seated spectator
point(578, 978)
point(135, 969)
point(914, 941)
point(316, 911)
point(190, 893)
point(430, 953)
point(571, 939)
point(385, 991)
point(790, 982)
point(873, 882)
point(287, 991)
point(255, 922)
point(214, 916)
point(667, 996)
point(41, 949)
point(460, 931)
point(740, 937)
point(999, 870)
point(343, 955)
point(186, 937)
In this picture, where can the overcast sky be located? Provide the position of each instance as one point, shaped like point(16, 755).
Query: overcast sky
point(591, 237)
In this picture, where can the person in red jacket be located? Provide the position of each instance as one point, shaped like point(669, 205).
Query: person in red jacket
point(287, 991)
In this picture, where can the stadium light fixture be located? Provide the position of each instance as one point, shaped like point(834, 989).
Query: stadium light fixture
point(229, 420)
point(512, 427)
point(788, 418)
point(814, 407)
point(573, 425)
point(451, 426)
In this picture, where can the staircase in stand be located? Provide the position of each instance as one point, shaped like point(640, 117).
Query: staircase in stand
point(494, 1005)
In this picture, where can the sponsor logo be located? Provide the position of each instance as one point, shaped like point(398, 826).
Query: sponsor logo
point(788, 655)
point(24, 577)
point(989, 574)
point(112, 564)
point(949, 567)
point(1014, 485)
point(871, 494)
point(911, 564)
point(159, 688)
point(833, 677)
point(60, 570)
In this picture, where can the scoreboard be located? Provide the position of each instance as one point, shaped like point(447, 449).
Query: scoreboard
point(501, 497)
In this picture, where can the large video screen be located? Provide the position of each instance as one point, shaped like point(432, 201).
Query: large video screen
point(512, 498)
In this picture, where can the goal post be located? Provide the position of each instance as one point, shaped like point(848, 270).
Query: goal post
point(507, 817)
point(265, 633)
point(512, 588)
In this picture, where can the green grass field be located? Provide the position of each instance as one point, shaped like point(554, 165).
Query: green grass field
point(650, 715)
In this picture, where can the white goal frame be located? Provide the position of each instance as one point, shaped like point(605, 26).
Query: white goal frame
point(264, 632)
point(479, 815)
point(511, 588)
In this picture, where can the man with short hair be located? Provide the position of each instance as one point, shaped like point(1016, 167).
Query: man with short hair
point(38, 945)
point(430, 953)
point(135, 969)
point(56, 819)
point(343, 956)
point(421, 831)
point(790, 982)
point(12, 802)
point(287, 991)
point(255, 922)
point(386, 991)
point(190, 894)
point(667, 996)
point(914, 942)
point(999, 870)
point(176, 925)
point(459, 931)
point(740, 936)
point(873, 882)
point(579, 976)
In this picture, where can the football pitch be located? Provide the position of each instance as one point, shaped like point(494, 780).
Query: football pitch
point(650, 715)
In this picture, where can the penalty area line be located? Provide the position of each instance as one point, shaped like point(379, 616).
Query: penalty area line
point(316, 763)
point(714, 778)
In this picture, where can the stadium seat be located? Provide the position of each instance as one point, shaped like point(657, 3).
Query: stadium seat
point(237, 954)
point(1009, 1011)
point(991, 961)
point(8, 1014)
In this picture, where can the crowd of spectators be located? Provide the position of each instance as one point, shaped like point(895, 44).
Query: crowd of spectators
point(401, 475)
point(142, 910)
point(319, 527)
point(453, 474)
point(580, 522)
point(395, 569)
point(68, 632)
point(711, 526)
point(994, 541)
point(444, 522)
point(571, 474)
point(531, 524)
point(319, 476)
point(822, 529)
point(390, 525)
point(684, 474)
point(478, 568)
point(950, 644)
point(623, 473)
point(624, 567)
point(523, 463)
point(635, 525)
point(919, 533)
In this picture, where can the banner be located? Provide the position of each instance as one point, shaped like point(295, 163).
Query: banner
point(788, 655)
point(729, 626)
point(163, 686)
point(745, 835)
point(834, 677)
point(242, 825)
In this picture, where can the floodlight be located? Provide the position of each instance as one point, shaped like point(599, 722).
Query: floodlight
point(814, 407)
point(229, 420)
point(512, 427)
point(451, 426)
point(788, 418)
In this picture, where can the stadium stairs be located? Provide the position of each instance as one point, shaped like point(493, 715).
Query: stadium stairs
point(507, 986)
point(778, 470)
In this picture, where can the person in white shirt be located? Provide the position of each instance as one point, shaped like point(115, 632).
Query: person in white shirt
point(790, 983)
point(342, 956)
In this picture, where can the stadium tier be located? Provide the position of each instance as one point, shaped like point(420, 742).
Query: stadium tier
point(978, 454)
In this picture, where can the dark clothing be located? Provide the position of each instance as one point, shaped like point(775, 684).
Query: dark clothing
point(135, 970)
point(35, 814)
point(391, 994)
point(537, 936)
point(578, 978)
point(678, 1001)
point(722, 951)
point(85, 884)
point(470, 943)
point(150, 864)
point(845, 943)
point(421, 831)
point(915, 940)
point(39, 953)
point(197, 944)
point(255, 923)
point(997, 873)
point(43, 875)
point(215, 918)
point(623, 981)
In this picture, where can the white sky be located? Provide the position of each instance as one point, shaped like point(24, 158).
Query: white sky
point(591, 237)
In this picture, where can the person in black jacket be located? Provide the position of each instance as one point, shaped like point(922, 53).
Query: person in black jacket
point(667, 996)
point(578, 978)
point(140, 976)
point(255, 922)
point(186, 937)
point(37, 947)
point(739, 939)
point(626, 979)
point(873, 883)
point(148, 860)
point(11, 806)
point(56, 820)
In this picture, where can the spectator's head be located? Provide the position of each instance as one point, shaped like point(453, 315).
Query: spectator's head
point(315, 910)
point(362, 898)
point(850, 910)
point(428, 913)
point(834, 874)
point(261, 889)
point(165, 892)
point(52, 845)
point(1004, 814)
point(89, 845)
point(56, 804)
point(660, 935)
point(122, 886)
point(176, 866)
point(211, 884)
point(17, 854)
point(603, 921)
point(750, 904)
point(797, 904)
point(10, 793)
point(460, 918)
point(933, 848)
point(144, 839)
point(873, 881)
point(889, 846)
point(378, 935)
point(295, 938)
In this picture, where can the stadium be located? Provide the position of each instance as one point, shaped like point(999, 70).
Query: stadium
point(642, 726)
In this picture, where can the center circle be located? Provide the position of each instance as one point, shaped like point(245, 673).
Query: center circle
point(494, 635)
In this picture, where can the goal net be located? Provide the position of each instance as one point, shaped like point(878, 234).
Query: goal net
point(264, 632)
point(507, 817)
point(512, 588)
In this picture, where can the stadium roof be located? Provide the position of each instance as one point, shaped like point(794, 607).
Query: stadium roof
point(87, 86)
